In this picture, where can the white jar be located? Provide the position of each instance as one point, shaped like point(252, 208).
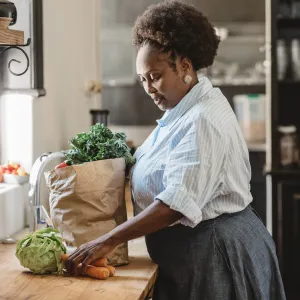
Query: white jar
point(295, 55)
point(287, 145)
point(282, 59)
point(250, 113)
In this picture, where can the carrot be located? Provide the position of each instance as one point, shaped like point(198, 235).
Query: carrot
point(111, 270)
point(98, 268)
point(97, 272)
point(64, 257)
point(99, 262)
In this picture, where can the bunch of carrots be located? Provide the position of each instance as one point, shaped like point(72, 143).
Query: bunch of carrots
point(98, 269)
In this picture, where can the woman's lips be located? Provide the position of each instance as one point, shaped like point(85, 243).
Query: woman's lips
point(158, 100)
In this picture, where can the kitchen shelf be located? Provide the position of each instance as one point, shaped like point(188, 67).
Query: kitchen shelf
point(256, 147)
point(250, 86)
point(6, 47)
point(243, 88)
point(289, 82)
point(31, 92)
point(287, 23)
point(284, 172)
point(244, 39)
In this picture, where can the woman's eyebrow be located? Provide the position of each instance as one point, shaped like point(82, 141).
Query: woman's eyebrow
point(150, 71)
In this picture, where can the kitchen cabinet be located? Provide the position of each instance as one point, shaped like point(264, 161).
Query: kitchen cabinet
point(287, 216)
point(283, 106)
point(258, 182)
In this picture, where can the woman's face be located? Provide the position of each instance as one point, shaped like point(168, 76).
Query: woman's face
point(164, 85)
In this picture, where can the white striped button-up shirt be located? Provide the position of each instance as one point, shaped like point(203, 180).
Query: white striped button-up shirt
point(196, 160)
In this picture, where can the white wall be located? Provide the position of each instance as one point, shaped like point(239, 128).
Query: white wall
point(16, 124)
point(70, 60)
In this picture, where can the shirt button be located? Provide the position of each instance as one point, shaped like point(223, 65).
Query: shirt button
point(182, 188)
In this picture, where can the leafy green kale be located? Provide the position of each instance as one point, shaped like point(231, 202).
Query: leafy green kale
point(98, 143)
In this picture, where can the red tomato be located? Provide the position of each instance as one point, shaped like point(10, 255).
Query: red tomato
point(14, 172)
point(7, 171)
point(61, 165)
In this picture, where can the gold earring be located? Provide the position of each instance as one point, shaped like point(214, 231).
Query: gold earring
point(187, 79)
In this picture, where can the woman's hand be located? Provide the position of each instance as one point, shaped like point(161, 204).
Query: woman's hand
point(88, 252)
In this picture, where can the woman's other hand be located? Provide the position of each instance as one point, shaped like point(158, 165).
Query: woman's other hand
point(88, 252)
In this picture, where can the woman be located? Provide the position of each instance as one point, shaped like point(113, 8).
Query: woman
point(190, 184)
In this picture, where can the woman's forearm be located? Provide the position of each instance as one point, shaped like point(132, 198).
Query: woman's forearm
point(155, 217)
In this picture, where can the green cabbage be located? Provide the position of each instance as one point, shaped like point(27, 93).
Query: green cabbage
point(41, 251)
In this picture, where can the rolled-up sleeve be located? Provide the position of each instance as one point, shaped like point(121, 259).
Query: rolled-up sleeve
point(194, 171)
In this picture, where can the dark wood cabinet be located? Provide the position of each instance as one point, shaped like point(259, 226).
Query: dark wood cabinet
point(258, 183)
point(288, 233)
point(283, 108)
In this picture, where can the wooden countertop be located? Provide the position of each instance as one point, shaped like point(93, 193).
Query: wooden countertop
point(131, 282)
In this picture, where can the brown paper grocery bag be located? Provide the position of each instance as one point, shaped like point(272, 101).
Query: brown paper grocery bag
point(87, 201)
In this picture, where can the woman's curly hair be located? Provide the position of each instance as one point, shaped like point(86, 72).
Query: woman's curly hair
point(179, 28)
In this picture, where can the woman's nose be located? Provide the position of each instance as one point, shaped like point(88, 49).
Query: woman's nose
point(149, 88)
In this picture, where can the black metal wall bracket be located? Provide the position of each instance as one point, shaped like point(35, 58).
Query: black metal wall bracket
point(7, 47)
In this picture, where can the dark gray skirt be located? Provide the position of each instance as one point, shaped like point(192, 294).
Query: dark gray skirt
point(231, 257)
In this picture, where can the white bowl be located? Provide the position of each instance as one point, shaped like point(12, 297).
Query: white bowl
point(15, 179)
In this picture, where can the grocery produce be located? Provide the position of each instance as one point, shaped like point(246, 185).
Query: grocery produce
point(98, 143)
point(41, 251)
point(13, 168)
point(111, 270)
point(100, 262)
point(97, 272)
point(61, 165)
point(98, 268)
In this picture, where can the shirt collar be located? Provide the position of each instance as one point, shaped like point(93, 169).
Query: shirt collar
point(186, 103)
